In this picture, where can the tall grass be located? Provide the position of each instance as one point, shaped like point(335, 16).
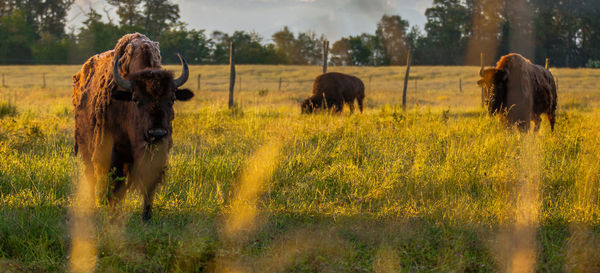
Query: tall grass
point(7, 109)
point(441, 187)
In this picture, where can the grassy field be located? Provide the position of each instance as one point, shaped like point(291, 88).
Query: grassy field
point(440, 187)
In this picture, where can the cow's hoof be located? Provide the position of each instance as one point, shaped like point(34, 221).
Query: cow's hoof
point(147, 215)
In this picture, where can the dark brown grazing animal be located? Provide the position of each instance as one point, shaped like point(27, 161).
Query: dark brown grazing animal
point(123, 118)
point(332, 90)
point(520, 91)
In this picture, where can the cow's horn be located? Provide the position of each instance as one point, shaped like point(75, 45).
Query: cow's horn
point(184, 74)
point(481, 72)
point(123, 83)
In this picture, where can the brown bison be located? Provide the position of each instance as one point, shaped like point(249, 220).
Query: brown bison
point(520, 90)
point(332, 90)
point(123, 113)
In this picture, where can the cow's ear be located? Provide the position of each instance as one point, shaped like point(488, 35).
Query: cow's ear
point(183, 94)
point(480, 82)
point(122, 95)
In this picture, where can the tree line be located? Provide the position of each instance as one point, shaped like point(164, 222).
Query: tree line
point(456, 32)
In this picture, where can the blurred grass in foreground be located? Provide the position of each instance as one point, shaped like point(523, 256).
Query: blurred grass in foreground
point(438, 188)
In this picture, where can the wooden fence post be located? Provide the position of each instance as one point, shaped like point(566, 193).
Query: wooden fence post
point(460, 85)
point(279, 88)
point(44, 80)
point(240, 83)
point(325, 55)
point(199, 79)
point(370, 78)
point(416, 85)
point(482, 91)
point(231, 73)
point(3, 81)
point(406, 80)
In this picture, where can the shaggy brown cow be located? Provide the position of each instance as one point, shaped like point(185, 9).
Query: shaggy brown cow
point(520, 90)
point(332, 89)
point(123, 118)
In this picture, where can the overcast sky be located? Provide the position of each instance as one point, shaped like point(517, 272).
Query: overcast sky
point(334, 18)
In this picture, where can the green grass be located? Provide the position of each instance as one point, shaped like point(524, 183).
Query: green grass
point(437, 188)
point(7, 109)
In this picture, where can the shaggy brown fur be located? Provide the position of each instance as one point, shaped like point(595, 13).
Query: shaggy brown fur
point(115, 129)
point(520, 90)
point(332, 90)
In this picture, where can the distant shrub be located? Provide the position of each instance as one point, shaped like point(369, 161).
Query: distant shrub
point(263, 92)
point(7, 109)
point(593, 63)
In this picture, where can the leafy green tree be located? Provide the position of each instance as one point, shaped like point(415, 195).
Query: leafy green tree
point(567, 32)
point(391, 30)
point(220, 47)
point(192, 44)
point(447, 27)
point(129, 13)
point(248, 48)
point(286, 45)
point(51, 15)
point(305, 48)
point(590, 30)
point(487, 32)
point(159, 16)
point(340, 52)
point(412, 37)
point(360, 51)
point(17, 36)
point(364, 49)
point(96, 36)
point(50, 49)
point(42, 15)
point(311, 47)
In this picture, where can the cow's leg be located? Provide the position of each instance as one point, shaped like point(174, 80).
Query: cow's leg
point(339, 106)
point(148, 200)
point(360, 104)
point(330, 105)
point(118, 187)
point(351, 106)
point(537, 119)
point(551, 119)
point(523, 126)
point(149, 197)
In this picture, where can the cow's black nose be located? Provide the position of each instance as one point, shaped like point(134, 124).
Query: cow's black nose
point(157, 132)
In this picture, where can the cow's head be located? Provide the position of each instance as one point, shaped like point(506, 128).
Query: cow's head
point(494, 82)
point(311, 104)
point(151, 94)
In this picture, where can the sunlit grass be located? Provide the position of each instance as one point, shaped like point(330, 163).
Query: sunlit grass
point(434, 188)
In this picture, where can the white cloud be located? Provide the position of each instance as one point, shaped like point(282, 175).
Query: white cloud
point(334, 18)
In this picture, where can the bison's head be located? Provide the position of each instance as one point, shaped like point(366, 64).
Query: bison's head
point(494, 81)
point(311, 104)
point(307, 106)
point(150, 95)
